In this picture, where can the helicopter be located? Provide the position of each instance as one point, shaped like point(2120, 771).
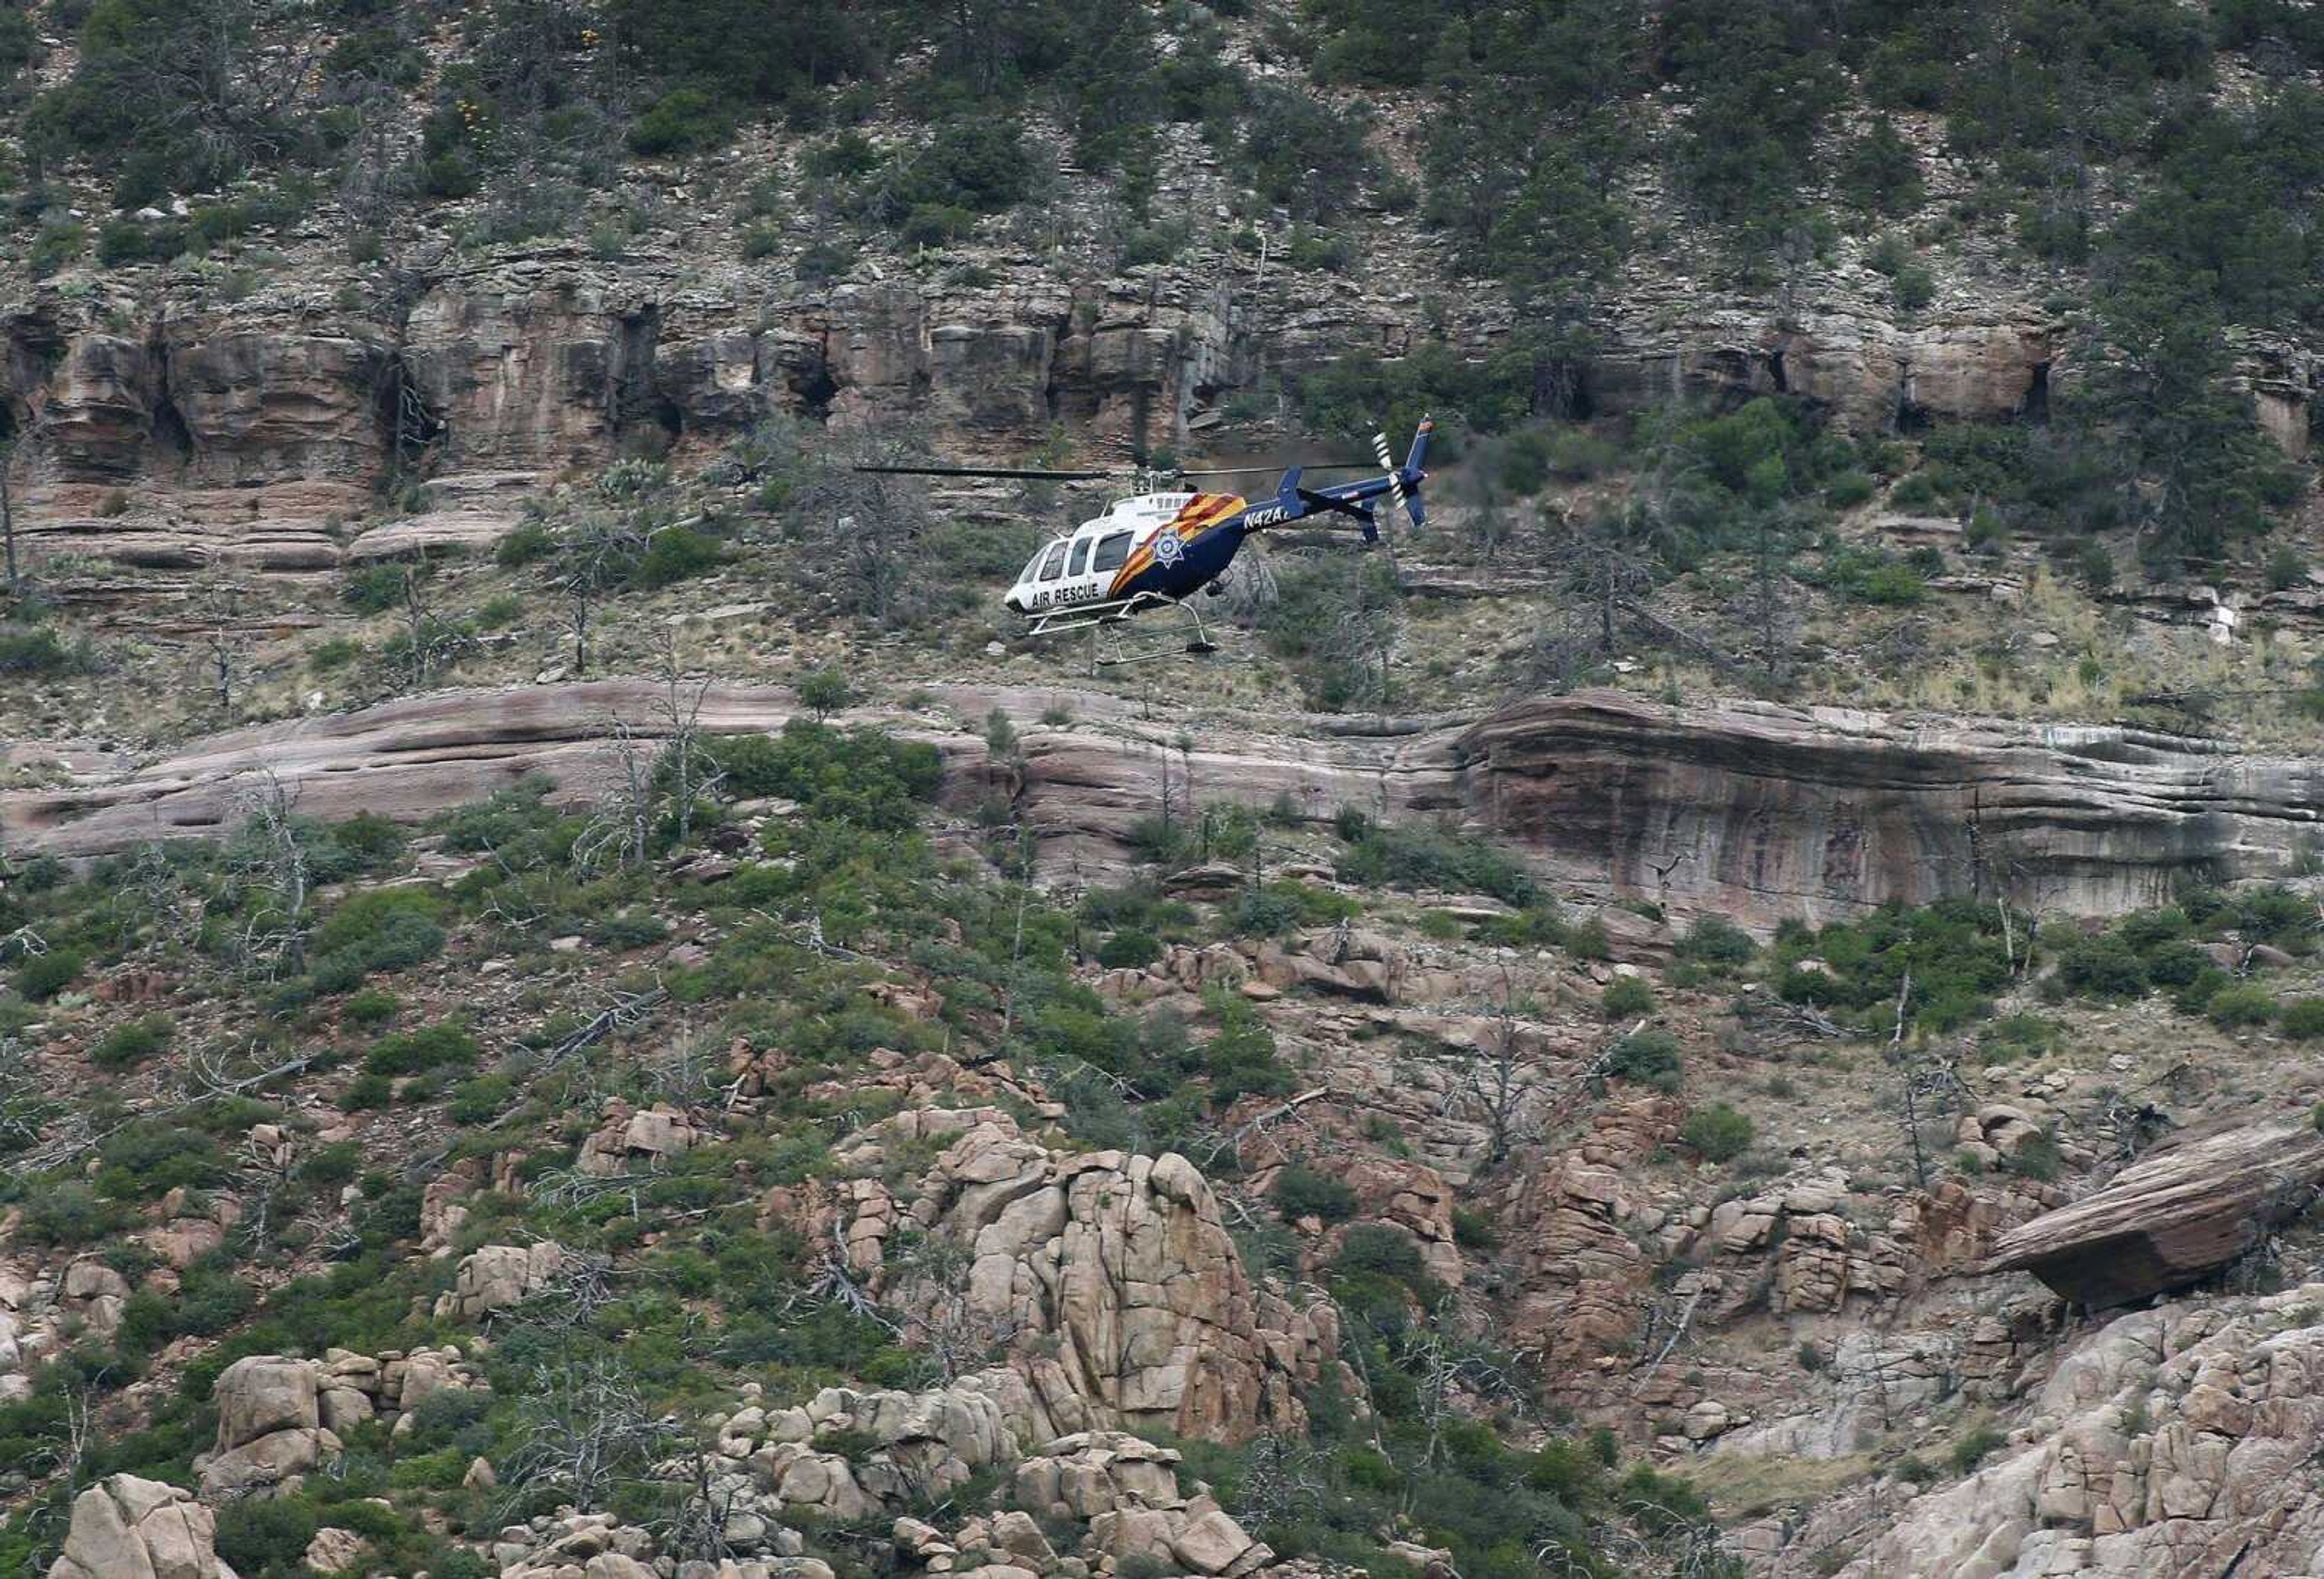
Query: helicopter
point(1156, 548)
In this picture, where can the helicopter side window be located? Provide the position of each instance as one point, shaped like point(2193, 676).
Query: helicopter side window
point(1081, 556)
point(1113, 552)
point(1053, 564)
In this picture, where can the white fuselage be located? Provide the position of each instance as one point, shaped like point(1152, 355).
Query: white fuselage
point(1083, 565)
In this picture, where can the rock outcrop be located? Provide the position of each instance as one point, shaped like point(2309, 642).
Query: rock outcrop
point(497, 1276)
point(124, 1527)
point(270, 1432)
point(1111, 1279)
point(2173, 1216)
point(1759, 810)
point(1748, 808)
point(2170, 1443)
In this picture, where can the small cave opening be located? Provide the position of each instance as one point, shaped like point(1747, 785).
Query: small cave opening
point(2035, 406)
point(1777, 373)
point(169, 431)
point(670, 418)
point(815, 389)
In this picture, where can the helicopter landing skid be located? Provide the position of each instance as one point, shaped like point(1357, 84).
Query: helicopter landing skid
point(1095, 617)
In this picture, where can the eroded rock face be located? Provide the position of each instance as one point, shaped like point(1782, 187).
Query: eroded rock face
point(124, 1527)
point(2167, 1444)
point(1120, 1295)
point(497, 1276)
point(2175, 1215)
point(1768, 811)
point(1748, 808)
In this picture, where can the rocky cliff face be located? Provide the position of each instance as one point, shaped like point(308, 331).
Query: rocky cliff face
point(2165, 1443)
point(256, 417)
point(1742, 808)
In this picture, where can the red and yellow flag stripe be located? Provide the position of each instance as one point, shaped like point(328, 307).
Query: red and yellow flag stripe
point(1199, 515)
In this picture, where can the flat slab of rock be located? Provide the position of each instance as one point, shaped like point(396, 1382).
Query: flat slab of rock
point(2171, 1218)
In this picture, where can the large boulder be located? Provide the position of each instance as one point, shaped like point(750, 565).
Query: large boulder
point(270, 1428)
point(124, 1527)
point(497, 1277)
point(2174, 1217)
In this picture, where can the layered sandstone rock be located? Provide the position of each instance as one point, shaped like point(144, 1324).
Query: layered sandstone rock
point(2178, 1213)
point(1760, 811)
point(1748, 809)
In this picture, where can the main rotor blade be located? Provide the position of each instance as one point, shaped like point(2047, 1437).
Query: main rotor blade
point(978, 471)
point(1245, 471)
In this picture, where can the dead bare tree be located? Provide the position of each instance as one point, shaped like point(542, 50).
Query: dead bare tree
point(931, 1286)
point(583, 1431)
point(26, 1105)
point(1926, 1082)
point(1502, 1086)
point(595, 551)
point(872, 520)
point(271, 862)
point(690, 771)
point(428, 643)
point(620, 831)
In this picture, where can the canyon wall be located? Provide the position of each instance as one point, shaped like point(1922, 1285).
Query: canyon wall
point(1747, 808)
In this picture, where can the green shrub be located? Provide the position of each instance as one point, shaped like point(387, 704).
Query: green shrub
point(2037, 1157)
point(415, 1052)
point(1129, 949)
point(42, 977)
point(1649, 1058)
point(1717, 1132)
point(825, 691)
point(37, 650)
point(2303, 1019)
point(674, 554)
point(2103, 967)
point(1420, 856)
point(480, 1100)
point(1716, 941)
point(135, 240)
point(69, 1213)
point(529, 542)
point(131, 1042)
point(1849, 490)
point(1473, 1230)
point(2245, 1003)
point(1301, 1191)
point(388, 928)
point(680, 121)
point(1626, 997)
point(1974, 1448)
point(377, 588)
point(59, 243)
point(266, 1535)
point(861, 778)
point(373, 1006)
